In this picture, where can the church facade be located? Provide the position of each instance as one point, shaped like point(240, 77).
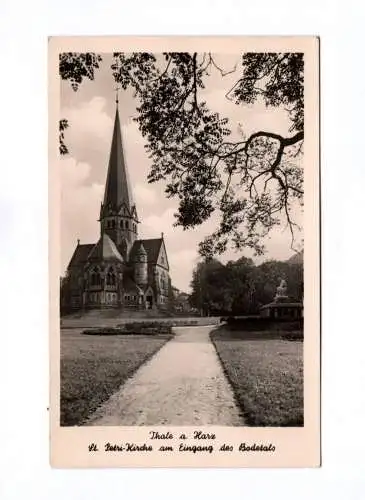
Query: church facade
point(119, 270)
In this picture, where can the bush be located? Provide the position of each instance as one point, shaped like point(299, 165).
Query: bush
point(102, 331)
point(253, 323)
point(146, 328)
point(158, 324)
point(131, 329)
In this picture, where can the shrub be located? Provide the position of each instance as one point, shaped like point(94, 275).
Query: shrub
point(102, 331)
point(131, 329)
point(147, 328)
point(253, 323)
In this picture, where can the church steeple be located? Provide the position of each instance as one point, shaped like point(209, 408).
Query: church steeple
point(118, 216)
point(117, 188)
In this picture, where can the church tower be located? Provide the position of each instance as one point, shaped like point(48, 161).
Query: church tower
point(120, 270)
point(118, 215)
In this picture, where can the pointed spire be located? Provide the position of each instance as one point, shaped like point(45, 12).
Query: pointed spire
point(117, 189)
point(116, 95)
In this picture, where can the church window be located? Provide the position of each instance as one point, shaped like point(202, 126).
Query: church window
point(113, 224)
point(124, 247)
point(126, 224)
point(121, 225)
point(110, 278)
point(95, 277)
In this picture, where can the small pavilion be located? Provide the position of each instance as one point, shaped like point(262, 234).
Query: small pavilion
point(282, 306)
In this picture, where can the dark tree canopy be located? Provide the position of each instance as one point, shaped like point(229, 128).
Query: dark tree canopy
point(240, 287)
point(75, 66)
point(252, 183)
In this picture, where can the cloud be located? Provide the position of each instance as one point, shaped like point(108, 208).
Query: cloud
point(153, 225)
point(248, 118)
point(88, 137)
point(73, 173)
point(90, 119)
point(80, 204)
point(144, 195)
point(181, 267)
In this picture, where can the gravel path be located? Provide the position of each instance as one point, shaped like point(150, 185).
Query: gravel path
point(183, 384)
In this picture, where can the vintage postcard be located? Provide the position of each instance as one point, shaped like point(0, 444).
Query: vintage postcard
point(184, 251)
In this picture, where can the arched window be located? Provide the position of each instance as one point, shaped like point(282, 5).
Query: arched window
point(126, 224)
point(113, 224)
point(95, 277)
point(124, 248)
point(110, 277)
point(121, 225)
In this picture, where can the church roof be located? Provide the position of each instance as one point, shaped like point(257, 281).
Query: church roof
point(152, 247)
point(80, 255)
point(105, 249)
point(117, 188)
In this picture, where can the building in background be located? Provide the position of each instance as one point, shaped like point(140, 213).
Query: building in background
point(181, 302)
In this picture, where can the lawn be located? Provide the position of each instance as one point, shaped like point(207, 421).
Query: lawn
point(266, 375)
point(94, 367)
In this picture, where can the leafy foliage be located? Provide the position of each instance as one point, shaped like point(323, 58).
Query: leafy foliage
point(75, 66)
point(240, 287)
point(63, 125)
point(251, 183)
point(282, 83)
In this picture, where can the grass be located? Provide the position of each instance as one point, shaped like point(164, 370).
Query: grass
point(266, 374)
point(94, 367)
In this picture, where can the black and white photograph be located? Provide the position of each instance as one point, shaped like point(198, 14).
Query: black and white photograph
point(181, 279)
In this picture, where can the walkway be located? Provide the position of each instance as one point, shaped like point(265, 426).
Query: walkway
point(183, 384)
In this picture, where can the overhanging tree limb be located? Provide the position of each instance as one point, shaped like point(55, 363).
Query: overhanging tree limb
point(187, 140)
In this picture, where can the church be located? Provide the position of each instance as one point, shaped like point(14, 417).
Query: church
point(120, 270)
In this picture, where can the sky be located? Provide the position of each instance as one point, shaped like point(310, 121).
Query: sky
point(90, 112)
